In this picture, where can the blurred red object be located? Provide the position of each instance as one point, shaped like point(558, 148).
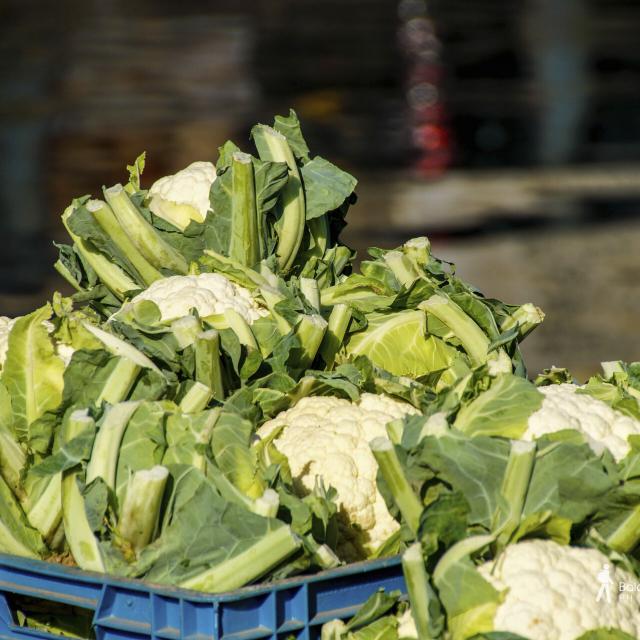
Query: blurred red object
point(430, 134)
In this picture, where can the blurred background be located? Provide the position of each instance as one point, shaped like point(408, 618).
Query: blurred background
point(509, 133)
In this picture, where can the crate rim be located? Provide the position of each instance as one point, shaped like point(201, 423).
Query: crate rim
point(43, 567)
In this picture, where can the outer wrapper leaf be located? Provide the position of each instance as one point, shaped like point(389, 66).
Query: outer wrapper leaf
point(33, 376)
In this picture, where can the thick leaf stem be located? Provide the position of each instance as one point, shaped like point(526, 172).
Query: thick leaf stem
point(393, 474)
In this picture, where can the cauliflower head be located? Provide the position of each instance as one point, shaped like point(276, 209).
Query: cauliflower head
point(552, 592)
point(602, 426)
point(64, 351)
point(209, 293)
point(184, 196)
point(329, 437)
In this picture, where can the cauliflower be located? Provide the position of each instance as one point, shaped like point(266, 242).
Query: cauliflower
point(209, 293)
point(552, 592)
point(602, 426)
point(184, 196)
point(329, 437)
point(64, 351)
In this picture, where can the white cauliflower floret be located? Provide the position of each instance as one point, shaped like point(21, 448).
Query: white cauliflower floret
point(209, 293)
point(602, 426)
point(184, 196)
point(64, 351)
point(329, 437)
point(552, 592)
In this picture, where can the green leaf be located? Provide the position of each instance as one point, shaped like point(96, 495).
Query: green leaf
point(135, 170)
point(33, 376)
point(444, 521)
point(84, 225)
point(568, 480)
point(270, 177)
point(503, 410)
point(383, 629)
point(6, 412)
point(398, 343)
point(289, 127)
point(470, 601)
point(86, 376)
point(474, 467)
point(143, 444)
point(69, 453)
point(188, 437)
point(96, 503)
point(375, 606)
point(16, 535)
point(205, 530)
point(231, 446)
point(326, 186)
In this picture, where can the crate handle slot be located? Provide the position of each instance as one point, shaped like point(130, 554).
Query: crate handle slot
point(49, 618)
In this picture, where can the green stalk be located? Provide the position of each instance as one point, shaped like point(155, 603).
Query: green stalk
point(107, 220)
point(393, 474)
point(196, 399)
point(273, 146)
point(185, 330)
point(44, 512)
point(151, 245)
point(208, 363)
point(406, 274)
point(310, 331)
point(58, 539)
point(248, 565)
point(527, 317)
point(418, 250)
point(415, 577)
point(322, 554)
point(339, 320)
point(310, 290)
point(82, 543)
point(141, 506)
point(341, 260)
point(473, 339)
point(394, 430)
point(245, 241)
point(120, 382)
point(241, 328)
point(106, 446)
point(267, 504)
point(515, 484)
point(115, 279)
point(627, 534)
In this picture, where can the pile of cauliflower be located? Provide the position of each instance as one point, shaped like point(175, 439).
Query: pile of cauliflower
point(548, 591)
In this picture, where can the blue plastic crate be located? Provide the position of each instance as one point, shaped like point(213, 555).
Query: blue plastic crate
point(133, 609)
